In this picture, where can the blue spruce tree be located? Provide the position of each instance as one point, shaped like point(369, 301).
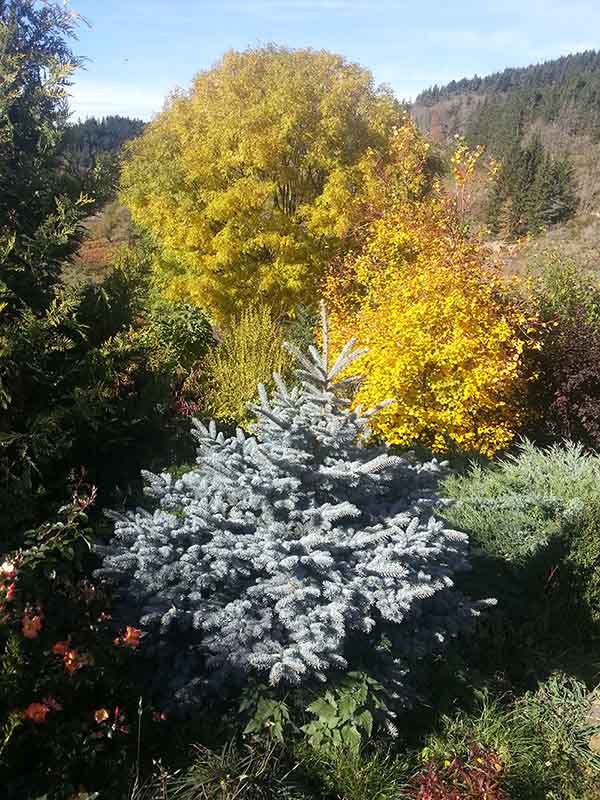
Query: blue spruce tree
point(295, 552)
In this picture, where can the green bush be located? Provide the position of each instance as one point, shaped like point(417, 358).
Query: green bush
point(251, 770)
point(541, 741)
point(561, 288)
point(552, 727)
point(95, 375)
point(251, 350)
point(182, 329)
point(532, 520)
point(564, 396)
point(519, 505)
point(346, 713)
point(89, 377)
point(583, 558)
point(375, 774)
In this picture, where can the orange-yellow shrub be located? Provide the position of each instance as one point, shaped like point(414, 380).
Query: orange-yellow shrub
point(445, 332)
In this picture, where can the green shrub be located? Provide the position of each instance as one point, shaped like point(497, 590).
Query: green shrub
point(517, 506)
point(564, 397)
point(488, 726)
point(88, 380)
point(553, 758)
point(252, 349)
point(96, 374)
point(583, 558)
point(252, 771)
point(182, 329)
point(531, 519)
point(541, 741)
point(346, 713)
point(376, 774)
point(561, 288)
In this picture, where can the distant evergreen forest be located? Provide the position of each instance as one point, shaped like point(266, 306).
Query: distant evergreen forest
point(566, 89)
point(91, 153)
point(533, 190)
point(534, 120)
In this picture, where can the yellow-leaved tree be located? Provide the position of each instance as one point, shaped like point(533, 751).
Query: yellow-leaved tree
point(445, 331)
point(228, 178)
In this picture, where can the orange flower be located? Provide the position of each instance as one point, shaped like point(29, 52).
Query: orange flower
point(10, 592)
point(73, 660)
point(31, 625)
point(101, 715)
point(131, 637)
point(37, 712)
point(60, 648)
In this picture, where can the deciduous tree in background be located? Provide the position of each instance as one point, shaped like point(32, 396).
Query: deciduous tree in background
point(228, 177)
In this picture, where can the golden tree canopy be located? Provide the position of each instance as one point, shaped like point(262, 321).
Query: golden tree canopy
point(228, 177)
point(445, 331)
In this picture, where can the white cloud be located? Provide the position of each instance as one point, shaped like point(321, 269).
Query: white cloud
point(566, 48)
point(479, 40)
point(99, 99)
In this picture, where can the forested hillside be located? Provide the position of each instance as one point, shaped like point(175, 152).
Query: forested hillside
point(565, 90)
point(91, 152)
point(542, 122)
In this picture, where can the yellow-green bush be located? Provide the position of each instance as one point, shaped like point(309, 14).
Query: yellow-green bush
point(445, 333)
point(250, 351)
point(227, 177)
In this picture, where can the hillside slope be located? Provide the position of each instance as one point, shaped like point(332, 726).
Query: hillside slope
point(559, 100)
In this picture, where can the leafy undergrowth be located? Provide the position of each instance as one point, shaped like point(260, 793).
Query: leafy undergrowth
point(535, 747)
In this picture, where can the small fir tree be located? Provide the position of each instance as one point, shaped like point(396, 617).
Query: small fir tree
point(296, 551)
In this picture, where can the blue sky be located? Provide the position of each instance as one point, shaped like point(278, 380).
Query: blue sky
point(139, 50)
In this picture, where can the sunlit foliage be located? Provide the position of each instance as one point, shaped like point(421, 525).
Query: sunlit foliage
point(445, 335)
point(251, 350)
point(227, 177)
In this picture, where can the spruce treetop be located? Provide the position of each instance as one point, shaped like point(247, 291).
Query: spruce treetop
point(295, 551)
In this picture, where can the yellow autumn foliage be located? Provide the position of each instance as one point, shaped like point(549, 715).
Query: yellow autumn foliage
point(227, 178)
point(249, 353)
point(445, 332)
